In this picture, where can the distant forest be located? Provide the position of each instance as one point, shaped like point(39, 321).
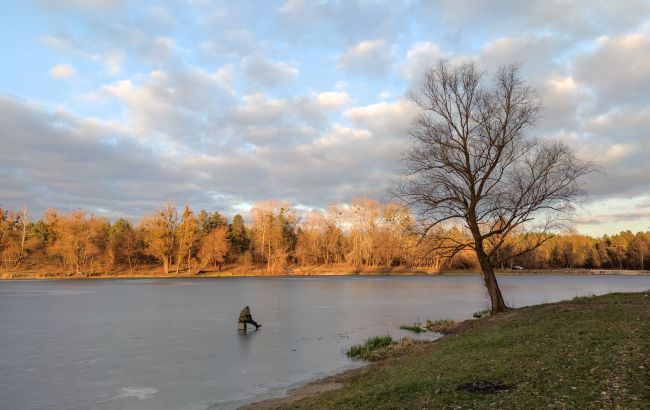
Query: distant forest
point(364, 234)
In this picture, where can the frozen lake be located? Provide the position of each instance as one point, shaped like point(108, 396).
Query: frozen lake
point(173, 344)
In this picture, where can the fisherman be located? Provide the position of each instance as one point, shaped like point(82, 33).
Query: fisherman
point(245, 317)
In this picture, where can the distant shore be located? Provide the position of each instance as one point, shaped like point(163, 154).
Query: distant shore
point(155, 273)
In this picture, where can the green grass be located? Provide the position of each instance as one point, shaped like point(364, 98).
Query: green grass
point(369, 348)
point(413, 328)
point(587, 353)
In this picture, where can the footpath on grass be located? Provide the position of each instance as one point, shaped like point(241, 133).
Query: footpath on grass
point(585, 353)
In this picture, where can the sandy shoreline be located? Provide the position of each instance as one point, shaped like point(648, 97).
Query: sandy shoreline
point(298, 393)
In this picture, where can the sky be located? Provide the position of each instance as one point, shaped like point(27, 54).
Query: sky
point(118, 107)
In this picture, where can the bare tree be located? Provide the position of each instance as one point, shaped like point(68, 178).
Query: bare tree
point(160, 231)
point(23, 236)
point(273, 237)
point(213, 249)
point(187, 236)
point(80, 241)
point(362, 215)
point(473, 164)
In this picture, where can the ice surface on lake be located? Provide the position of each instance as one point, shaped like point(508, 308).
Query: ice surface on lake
point(173, 344)
point(141, 393)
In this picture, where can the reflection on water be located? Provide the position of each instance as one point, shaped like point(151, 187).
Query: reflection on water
point(174, 344)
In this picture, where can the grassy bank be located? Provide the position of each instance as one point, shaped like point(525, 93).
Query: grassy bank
point(584, 353)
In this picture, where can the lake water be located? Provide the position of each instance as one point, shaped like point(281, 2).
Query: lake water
point(173, 344)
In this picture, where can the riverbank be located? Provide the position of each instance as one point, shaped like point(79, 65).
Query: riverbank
point(229, 272)
point(340, 270)
point(585, 353)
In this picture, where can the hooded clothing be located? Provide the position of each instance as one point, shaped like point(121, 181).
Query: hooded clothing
point(245, 315)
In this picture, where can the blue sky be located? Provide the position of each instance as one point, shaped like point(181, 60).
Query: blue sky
point(120, 106)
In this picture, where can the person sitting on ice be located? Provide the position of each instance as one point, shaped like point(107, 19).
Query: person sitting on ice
point(245, 317)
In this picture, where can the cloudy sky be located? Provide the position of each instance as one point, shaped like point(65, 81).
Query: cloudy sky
point(119, 106)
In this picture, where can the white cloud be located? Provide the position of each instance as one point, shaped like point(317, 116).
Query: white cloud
point(113, 62)
point(63, 71)
point(371, 57)
point(607, 215)
point(333, 99)
point(265, 121)
point(180, 106)
point(340, 135)
point(618, 69)
point(110, 57)
point(617, 141)
point(263, 72)
point(623, 124)
point(259, 108)
point(577, 19)
point(384, 118)
point(564, 85)
point(616, 153)
point(420, 57)
point(536, 55)
point(163, 47)
point(60, 159)
point(561, 98)
point(225, 76)
point(59, 43)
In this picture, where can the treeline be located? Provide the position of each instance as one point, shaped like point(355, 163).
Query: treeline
point(363, 234)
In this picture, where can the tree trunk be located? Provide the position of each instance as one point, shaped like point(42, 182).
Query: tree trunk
point(22, 240)
point(490, 280)
point(641, 246)
point(189, 257)
point(166, 264)
point(497, 304)
point(179, 258)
